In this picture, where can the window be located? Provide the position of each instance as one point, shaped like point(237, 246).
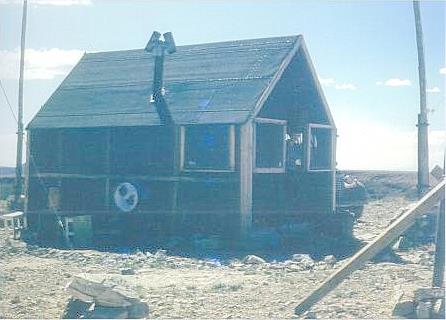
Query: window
point(270, 145)
point(208, 147)
point(319, 147)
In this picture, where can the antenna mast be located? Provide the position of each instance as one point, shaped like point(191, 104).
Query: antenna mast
point(423, 146)
point(18, 170)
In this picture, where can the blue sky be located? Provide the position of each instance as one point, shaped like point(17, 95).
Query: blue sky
point(364, 53)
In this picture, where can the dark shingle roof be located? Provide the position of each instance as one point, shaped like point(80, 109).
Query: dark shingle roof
point(205, 83)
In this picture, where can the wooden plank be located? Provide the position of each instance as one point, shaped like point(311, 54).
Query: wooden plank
point(269, 170)
point(246, 171)
point(182, 145)
point(272, 121)
point(27, 171)
point(232, 147)
point(169, 178)
point(108, 160)
point(438, 278)
point(374, 247)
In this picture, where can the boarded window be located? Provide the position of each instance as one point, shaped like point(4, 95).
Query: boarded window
point(270, 144)
point(45, 151)
point(139, 150)
point(207, 147)
point(320, 144)
point(84, 151)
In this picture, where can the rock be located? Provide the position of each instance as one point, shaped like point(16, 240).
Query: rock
point(160, 254)
point(101, 292)
point(304, 260)
point(128, 271)
point(404, 305)
point(423, 310)
point(252, 259)
point(15, 300)
point(331, 259)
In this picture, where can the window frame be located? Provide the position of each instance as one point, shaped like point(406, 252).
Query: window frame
point(278, 122)
point(308, 142)
point(231, 149)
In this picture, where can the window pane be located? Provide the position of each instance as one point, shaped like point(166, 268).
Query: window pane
point(269, 145)
point(320, 148)
point(207, 147)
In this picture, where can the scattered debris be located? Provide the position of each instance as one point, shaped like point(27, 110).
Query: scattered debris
point(424, 303)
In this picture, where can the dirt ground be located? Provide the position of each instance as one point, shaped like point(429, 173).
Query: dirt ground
point(33, 279)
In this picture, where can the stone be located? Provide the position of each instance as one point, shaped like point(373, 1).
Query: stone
point(253, 259)
point(101, 291)
point(404, 305)
point(160, 254)
point(304, 260)
point(128, 271)
point(331, 259)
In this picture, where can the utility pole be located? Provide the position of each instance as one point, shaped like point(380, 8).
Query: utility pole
point(18, 169)
point(423, 145)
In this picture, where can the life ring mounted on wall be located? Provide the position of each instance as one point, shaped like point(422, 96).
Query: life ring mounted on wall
point(126, 197)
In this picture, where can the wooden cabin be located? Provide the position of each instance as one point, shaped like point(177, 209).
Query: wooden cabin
point(99, 152)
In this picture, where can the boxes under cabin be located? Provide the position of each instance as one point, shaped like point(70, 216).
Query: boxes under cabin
point(222, 171)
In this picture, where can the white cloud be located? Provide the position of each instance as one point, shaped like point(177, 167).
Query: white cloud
point(326, 81)
point(39, 64)
point(330, 82)
point(394, 82)
point(64, 3)
point(433, 90)
point(345, 86)
point(363, 145)
point(443, 70)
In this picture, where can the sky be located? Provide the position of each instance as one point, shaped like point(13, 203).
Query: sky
point(364, 53)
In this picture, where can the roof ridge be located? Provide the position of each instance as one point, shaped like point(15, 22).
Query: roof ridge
point(230, 43)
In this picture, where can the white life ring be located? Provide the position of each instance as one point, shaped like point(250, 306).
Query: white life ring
point(126, 197)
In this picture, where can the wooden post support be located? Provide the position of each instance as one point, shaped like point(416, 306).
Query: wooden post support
point(423, 145)
point(370, 250)
point(438, 279)
point(108, 167)
point(246, 171)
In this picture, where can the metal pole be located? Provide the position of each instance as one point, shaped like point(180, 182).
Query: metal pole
point(423, 146)
point(18, 171)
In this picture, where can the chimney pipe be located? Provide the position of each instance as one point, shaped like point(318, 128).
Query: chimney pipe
point(158, 48)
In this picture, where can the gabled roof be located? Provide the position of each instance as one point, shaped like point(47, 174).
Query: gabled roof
point(207, 83)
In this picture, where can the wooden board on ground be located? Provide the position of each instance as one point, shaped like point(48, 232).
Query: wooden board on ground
point(370, 250)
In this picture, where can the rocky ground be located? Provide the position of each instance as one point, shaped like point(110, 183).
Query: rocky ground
point(33, 279)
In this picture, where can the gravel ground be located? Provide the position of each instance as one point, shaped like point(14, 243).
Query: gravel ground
point(33, 279)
